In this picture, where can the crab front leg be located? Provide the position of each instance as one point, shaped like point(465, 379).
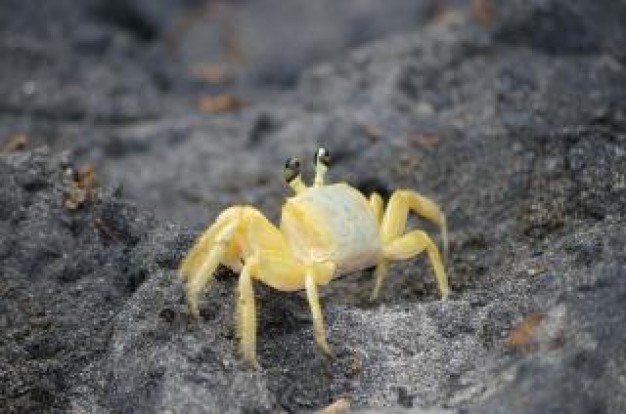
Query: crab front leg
point(233, 237)
point(239, 234)
point(398, 247)
point(210, 249)
point(280, 270)
point(243, 234)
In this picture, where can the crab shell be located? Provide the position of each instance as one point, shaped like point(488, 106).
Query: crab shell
point(332, 223)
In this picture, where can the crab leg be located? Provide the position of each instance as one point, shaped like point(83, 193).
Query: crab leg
point(197, 255)
point(280, 270)
point(319, 330)
point(246, 315)
point(215, 247)
point(242, 233)
point(403, 201)
point(200, 275)
point(394, 223)
point(412, 244)
point(382, 269)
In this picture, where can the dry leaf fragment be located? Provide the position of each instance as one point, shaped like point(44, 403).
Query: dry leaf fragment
point(219, 103)
point(15, 142)
point(521, 336)
point(482, 10)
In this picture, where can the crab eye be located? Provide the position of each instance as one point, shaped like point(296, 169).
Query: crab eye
point(292, 169)
point(322, 156)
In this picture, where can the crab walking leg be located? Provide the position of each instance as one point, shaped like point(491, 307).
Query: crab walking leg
point(281, 271)
point(394, 223)
point(246, 315)
point(382, 269)
point(318, 319)
point(196, 256)
point(200, 275)
point(403, 201)
point(412, 244)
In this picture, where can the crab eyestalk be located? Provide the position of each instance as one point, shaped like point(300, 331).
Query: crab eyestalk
point(292, 174)
point(322, 161)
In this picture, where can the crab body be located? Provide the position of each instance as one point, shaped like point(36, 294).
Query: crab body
point(326, 231)
point(332, 223)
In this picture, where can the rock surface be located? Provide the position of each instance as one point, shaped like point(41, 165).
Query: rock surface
point(519, 132)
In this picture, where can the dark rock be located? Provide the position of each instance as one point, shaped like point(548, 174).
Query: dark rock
point(581, 27)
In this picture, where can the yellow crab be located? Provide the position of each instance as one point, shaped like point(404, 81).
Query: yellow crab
point(326, 231)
